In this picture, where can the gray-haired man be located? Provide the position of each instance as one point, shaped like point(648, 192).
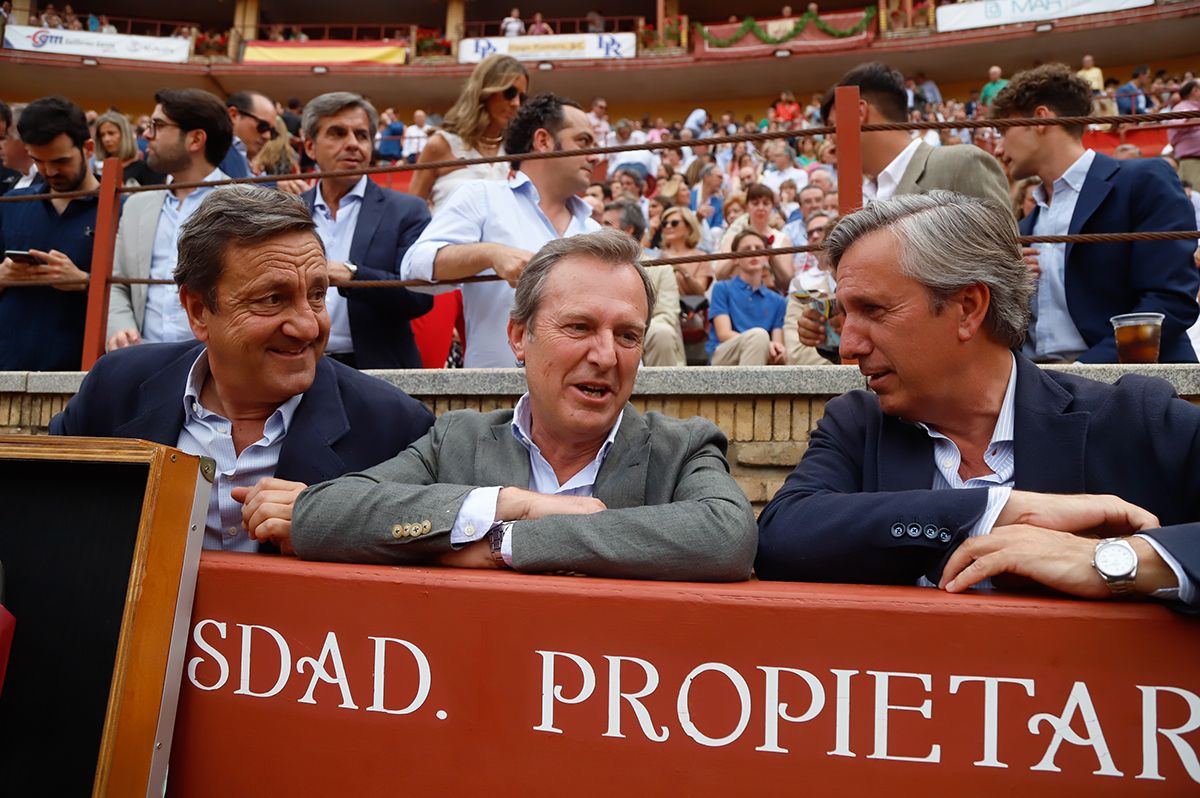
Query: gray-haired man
point(573, 479)
point(965, 461)
point(366, 230)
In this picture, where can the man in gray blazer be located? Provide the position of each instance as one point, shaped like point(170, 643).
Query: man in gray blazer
point(188, 135)
point(573, 479)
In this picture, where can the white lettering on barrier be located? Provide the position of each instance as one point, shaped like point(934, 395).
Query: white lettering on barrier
point(285, 662)
point(774, 710)
point(685, 715)
point(552, 692)
point(1079, 700)
point(423, 676)
point(991, 712)
point(1151, 730)
point(202, 644)
point(882, 707)
point(841, 745)
point(330, 652)
point(615, 695)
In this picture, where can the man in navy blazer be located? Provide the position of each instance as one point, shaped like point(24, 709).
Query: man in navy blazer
point(1081, 286)
point(366, 230)
point(255, 394)
point(966, 461)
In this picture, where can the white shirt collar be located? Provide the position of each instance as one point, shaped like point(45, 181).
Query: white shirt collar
point(521, 183)
point(522, 426)
point(883, 187)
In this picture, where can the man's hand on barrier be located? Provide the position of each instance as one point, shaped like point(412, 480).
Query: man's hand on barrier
point(1030, 256)
point(1086, 514)
point(267, 510)
point(509, 262)
point(472, 555)
point(517, 504)
point(123, 339)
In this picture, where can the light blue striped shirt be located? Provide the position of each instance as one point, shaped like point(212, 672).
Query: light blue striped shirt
point(208, 434)
point(337, 235)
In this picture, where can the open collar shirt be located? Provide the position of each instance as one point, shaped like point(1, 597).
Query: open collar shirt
point(883, 187)
point(337, 233)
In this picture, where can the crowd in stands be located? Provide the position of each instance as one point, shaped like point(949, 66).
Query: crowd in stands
point(698, 198)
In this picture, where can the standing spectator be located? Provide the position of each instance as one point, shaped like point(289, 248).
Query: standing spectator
point(601, 128)
point(22, 171)
point(291, 116)
point(990, 89)
point(391, 137)
point(644, 161)
point(114, 139)
point(595, 22)
point(1092, 74)
point(41, 327)
point(1185, 134)
point(746, 316)
point(972, 104)
point(512, 25)
point(253, 116)
point(415, 137)
point(5, 12)
point(786, 108)
point(1131, 98)
point(473, 128)
point(696, 122)
point(933, 95)
point(540, 28)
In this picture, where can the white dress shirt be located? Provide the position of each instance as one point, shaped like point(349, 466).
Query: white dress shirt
point(1000, 456)
point(337, 235)
point(1052, 331)
point(478, 511)
point(883, 187)
point(26, 180)
point(208, 434)
point(773, 178)
point(497, 213)
point(165, 320)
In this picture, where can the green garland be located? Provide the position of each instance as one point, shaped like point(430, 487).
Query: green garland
point(749, 25)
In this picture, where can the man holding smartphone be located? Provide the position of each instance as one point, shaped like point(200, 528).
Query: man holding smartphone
point(41, 326)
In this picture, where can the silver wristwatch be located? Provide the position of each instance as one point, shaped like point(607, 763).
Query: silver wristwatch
point(1117, 563)
point(495, 537)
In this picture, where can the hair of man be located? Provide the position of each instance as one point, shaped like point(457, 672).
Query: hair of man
point(45, 119)
point(196, 109)
point(1056, 86)
point(332, 104)
point(540, 112)
point(609, 246)
point(631, 217)
point(234, 215)
point(947, 242)
point(878, 84)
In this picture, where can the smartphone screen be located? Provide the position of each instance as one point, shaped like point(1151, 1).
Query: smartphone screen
point(23, 256)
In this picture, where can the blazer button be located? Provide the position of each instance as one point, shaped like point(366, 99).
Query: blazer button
point(898, 530)
point(397, 531)
point(914, 530)
point(414, 530)
point(944, 535)
point(931, 532)
point(426, 527)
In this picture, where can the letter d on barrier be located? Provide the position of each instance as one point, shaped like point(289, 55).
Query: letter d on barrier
point(552, 692)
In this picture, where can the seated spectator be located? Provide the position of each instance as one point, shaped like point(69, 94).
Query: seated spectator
point(680, 238)
point(746, 316)
point(813, 281)
point(644, 161)
point(707, 200)
point(415, 137)
point(540, 28)
point(631, 185)
point(663, 343)
point(652, 237)
point(1127, 152)
point(783, 163)
point(115, 139)
point(1131, 98)
point(761, 217)
point(512, 25)
point(787, 204)
point(41, 327)
point(255, 394)
point(572, 479)
point(915, 481)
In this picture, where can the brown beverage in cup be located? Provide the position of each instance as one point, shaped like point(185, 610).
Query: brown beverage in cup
point(1138, 336)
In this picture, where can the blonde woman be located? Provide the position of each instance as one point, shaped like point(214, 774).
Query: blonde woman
point(680, 235)
point(473, 128)
point(115, 139)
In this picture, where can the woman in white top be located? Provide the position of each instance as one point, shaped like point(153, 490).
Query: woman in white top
point(473, 128)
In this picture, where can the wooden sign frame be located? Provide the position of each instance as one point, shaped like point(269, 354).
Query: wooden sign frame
point(140, 717)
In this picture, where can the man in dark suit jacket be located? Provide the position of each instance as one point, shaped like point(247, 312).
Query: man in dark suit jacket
point(255, 394)
point(967, 461)
point(366, 230)
point(1081, 286)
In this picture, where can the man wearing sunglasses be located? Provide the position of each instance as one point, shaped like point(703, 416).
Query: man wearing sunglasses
point(253, 116)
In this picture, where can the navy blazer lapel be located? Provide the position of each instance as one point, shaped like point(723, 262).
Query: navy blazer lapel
point(905, 457)
point(370, 215)
point(1049, 442)
point(160, 402)
point(320, 421)
point(500, 459)
point(622, 478)
point(1095, 188)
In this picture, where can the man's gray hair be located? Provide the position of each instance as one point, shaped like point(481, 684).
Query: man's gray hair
point(948, 242)
point(607, 246)
point(237, 215)
point(632, 221)
point(331, 104)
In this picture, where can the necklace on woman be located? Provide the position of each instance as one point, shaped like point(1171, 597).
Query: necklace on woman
point(492, 140)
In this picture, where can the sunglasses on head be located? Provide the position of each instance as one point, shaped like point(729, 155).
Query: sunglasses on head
point(512, 92)
point(262, 125)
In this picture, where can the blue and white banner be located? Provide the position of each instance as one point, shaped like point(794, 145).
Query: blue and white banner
point(96, 45)
point(563, 47)
point(991, 13)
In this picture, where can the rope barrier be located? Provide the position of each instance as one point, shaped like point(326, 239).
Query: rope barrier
point(658, 145)
point(1078, 238)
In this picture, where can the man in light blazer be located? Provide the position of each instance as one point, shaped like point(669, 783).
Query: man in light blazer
point(188, 135)
point(574, 479)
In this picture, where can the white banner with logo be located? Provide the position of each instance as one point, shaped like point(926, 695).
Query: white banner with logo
point(96, 45)
point(990, 13)
point(564, 47)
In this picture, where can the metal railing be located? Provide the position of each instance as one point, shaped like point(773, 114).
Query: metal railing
point(627, 24)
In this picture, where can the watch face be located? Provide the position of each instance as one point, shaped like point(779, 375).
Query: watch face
point(1114, 560)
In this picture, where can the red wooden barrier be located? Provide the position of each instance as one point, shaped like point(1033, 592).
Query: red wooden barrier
point(314, 679)
point(104, 243)
point(849, 149)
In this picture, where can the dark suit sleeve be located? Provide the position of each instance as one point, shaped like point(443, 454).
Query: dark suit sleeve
point(411, 218)
point(825, 526)
point(1162, 274)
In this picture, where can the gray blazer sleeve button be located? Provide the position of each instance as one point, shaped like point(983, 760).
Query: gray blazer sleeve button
point(397, 531)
